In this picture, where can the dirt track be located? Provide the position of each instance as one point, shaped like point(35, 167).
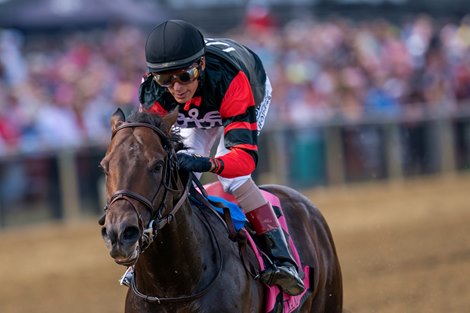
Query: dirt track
point(404, 247)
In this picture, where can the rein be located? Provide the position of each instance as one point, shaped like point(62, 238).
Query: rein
point(197, 295)
point(158, 221)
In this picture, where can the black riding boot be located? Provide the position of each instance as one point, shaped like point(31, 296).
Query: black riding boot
point(273, 242)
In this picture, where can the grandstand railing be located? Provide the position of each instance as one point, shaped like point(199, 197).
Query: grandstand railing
point(346, 151)
point(66, 184)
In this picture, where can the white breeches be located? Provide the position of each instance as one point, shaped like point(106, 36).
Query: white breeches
point(201, 141)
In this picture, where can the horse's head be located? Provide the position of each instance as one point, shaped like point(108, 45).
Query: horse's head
point(140, 173)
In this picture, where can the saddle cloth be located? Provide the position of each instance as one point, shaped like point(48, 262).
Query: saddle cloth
point(276, 300)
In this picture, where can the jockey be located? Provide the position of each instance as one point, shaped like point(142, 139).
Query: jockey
point(221, 91)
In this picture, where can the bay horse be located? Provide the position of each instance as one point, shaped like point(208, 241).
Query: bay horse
point(183, 260)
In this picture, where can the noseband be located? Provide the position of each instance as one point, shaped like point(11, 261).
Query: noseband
point(170, 169)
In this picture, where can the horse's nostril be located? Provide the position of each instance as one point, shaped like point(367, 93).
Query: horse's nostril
point(104, 233)
point(130, 234)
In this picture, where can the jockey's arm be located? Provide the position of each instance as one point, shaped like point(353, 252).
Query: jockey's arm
point(240, 130)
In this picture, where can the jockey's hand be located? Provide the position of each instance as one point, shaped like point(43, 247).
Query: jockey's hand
point(194, 163)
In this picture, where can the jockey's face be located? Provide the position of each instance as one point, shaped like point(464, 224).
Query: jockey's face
point(182, 84)
point(183, 92)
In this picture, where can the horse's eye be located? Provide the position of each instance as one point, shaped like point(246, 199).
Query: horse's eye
point(157, 167)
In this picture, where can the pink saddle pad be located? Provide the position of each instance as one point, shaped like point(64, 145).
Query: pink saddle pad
point(274, 296)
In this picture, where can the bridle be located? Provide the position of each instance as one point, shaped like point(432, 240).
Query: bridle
point(158, 221)
point(170, 170)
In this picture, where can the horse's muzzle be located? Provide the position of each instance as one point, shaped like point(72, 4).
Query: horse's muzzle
point(123, 246)
point(127, 261)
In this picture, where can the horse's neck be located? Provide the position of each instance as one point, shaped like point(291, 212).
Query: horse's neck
point(173, 264)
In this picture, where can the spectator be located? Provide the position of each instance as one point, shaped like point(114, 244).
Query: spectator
point(334, 68)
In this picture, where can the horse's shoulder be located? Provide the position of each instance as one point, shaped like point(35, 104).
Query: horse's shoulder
point(211, 218)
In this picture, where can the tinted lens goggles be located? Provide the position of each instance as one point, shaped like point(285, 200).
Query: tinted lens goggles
point(184, 76)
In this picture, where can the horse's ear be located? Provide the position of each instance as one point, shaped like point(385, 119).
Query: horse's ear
point(117, 119)
point(102, 220)
point(169, 120)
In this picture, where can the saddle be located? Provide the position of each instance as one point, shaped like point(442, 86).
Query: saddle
point(239, 229)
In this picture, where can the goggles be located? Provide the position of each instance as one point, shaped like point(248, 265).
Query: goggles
point(184, 76)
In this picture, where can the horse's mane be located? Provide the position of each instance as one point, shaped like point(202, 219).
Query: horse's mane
point(156, 120)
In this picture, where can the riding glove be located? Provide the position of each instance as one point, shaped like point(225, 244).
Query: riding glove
point(194, 163)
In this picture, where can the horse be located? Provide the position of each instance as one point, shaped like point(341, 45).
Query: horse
point(183, 260)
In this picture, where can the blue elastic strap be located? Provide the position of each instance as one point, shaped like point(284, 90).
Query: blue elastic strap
point(238, 217)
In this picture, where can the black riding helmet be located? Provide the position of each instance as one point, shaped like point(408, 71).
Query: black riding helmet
point(173, 45)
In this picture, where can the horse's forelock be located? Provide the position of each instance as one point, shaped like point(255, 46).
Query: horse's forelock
point(156, 120)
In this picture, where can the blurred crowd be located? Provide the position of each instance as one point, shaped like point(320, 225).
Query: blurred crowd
point(58, 91)
point(342, 69)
